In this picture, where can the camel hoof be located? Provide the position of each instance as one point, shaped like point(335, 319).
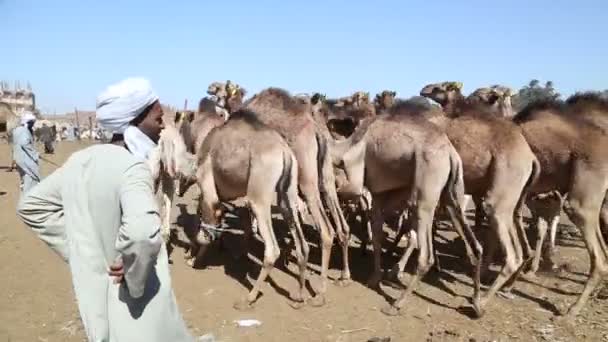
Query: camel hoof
point(243, 305)
point(297, 304)
point(344, 282)
point(395, 274)
point(390, 311)
point(565, 319)
point(530, 276)
point(374, 281)
point(506, 294)
point(477, 307)
point(317, 301)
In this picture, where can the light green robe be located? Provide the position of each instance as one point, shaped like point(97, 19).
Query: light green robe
point(97, 207)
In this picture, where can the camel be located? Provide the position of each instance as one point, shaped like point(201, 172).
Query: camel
point(227, 96)
point(499, 169)
point(384, 100)
point(8, 121)
point(245, 158)
point(169, 161)
point(545, 208)
point(293, 118)
point(406, 163)
point(592, 108)
point(573, 162)
point(589, 107)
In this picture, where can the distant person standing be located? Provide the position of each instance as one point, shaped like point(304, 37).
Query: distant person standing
point(46, 136)
point(24, 153)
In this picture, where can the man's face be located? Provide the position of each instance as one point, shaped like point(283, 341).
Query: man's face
point(152, 124)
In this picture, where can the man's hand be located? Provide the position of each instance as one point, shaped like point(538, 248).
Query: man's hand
point(117, 271)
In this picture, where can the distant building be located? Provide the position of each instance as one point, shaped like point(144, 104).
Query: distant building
point(18, 98)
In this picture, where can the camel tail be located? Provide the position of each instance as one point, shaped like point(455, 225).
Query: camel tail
point(534, 175)
point(519, 209)
point(325, 167)
point(454, 188)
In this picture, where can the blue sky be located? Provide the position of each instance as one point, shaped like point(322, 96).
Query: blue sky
point(71, 50)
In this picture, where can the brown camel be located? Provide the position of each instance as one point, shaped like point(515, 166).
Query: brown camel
point(499, 169)
point(591, 108)
point(293, 118)
point(245, 158)
point(546, 207)
point(573, 161)
point(228, 96)
point(406, 163)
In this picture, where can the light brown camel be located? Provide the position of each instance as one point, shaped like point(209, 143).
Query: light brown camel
point(574, 161)
point(293, 118)
point(384, 100)
point(245, 158)
point(8, 121)
point(499, 169)
point(170, 161)
point(406, 163)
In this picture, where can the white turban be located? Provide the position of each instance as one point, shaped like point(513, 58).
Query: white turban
point(27, 117)
point(122, 102)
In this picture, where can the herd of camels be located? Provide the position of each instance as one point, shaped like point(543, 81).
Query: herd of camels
point(394, 158)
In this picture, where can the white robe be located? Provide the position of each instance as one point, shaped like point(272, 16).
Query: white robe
point(26, 158)
point(98, 206)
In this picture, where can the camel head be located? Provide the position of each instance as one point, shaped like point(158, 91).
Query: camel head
point(360, 99)
point(497, 97)
point(504, 95)
point(385, 99)
point(443, 93)
point(483, 95)
point(227, 95)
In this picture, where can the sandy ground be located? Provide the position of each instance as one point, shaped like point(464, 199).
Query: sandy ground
point(37, 301)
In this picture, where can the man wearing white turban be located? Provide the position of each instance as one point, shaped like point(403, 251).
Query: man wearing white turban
point(24, 153)
point(99, 213)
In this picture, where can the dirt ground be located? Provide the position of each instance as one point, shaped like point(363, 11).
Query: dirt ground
point(37, 301)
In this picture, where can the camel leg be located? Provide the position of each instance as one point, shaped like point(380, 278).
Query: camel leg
point(479, 211)
point(472, 245)
point(261, 210)
point(412, 243)
point(245, 222)
point(604, 219)
point(541, 226)
point(545, 212)
point(365, 210)
point(343, 230)
point(168, 189)
point(514, 232)
point(289, 202)
point(424, 212)
point(377, 238)
point(403, 219)
point(500, 204)
point(553, 232)
point(321, 221)
point(583, 206)
point(208, 211)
